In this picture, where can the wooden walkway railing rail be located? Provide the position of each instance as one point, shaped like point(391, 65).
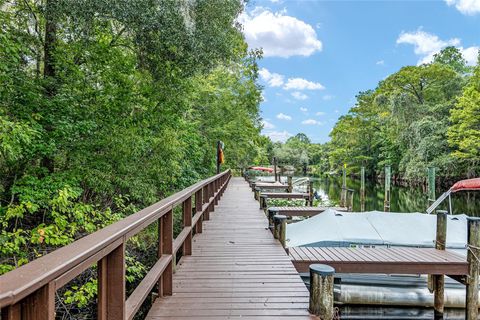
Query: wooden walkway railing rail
point(29, 291)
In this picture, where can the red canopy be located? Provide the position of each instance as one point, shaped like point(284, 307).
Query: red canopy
point(464, 185)
point(261, 169)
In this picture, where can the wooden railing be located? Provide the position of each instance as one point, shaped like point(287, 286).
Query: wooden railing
point(29, 291)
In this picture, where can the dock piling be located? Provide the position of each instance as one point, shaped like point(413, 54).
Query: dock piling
point(386, 203)
point(310, 193)
point(439, 279)
point(321, 291)
point(473, 252)
point(343, 194)
point(362, 189)
point(275, 167)
point(290, 184)
point(431, 185)
point(263, 202)
point(271, 214)
point(278, 220)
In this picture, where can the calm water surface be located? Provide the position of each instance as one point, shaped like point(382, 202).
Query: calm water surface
point(403, 199)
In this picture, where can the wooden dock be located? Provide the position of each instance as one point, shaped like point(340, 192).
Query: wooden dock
point(232, 267)
point(236, 270)
point(381, 260)
point(302, 211)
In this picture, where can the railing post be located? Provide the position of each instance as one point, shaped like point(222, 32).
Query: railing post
point(439, 279)
point(39, 305)
point(165, 246)
point(198, 209)
point(187, 222)
point(321, 291)
point(111, 285)
point(206, 199)
point(12, 312)
point(290, 184)
point(473, 252)
point(213, 189)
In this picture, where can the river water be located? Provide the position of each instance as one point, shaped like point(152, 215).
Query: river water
point(403, 199)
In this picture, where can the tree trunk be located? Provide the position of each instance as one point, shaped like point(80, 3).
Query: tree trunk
point(49, 68)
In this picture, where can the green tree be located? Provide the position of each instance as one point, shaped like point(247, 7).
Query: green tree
point(464, 132)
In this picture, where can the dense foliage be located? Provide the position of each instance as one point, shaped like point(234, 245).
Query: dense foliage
point(420, 116)
point(108, 106)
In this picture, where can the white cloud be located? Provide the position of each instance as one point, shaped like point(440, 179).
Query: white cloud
point(380, 63)
point(283, 116)
point(278, 136)
point(468, 7)
point(303, 109)
point(278, 34)
point(311, 122)
point(320, 113)
point(470, 55)
point(426, 45)
point(302, 84)
point(267, 125)
point(271, 78)
point(299, 96)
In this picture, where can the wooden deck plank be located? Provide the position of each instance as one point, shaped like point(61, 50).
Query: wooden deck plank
point(236, 270)
point(303, 211)
point(383, 260)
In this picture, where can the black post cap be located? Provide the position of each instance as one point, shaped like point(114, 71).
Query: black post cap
point(322, 269)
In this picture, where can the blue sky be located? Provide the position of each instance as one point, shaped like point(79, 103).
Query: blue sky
point(319, 54)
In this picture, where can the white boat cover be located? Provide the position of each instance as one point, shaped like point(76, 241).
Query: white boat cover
point(333, 228)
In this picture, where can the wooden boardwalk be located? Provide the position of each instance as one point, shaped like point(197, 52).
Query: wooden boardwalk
point(237, 269)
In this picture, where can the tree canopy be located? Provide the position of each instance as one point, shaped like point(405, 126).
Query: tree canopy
point(108, 106)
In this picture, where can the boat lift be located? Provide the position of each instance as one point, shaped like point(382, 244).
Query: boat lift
point(463, 185)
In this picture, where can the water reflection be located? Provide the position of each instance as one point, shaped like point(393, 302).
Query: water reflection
point(403, 199)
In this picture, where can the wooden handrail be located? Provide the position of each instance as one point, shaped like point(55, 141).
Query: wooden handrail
point(28, 292)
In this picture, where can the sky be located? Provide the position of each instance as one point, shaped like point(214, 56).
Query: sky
point(317, 55)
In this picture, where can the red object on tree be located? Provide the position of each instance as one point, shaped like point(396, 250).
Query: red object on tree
point(465, 185)
point(265, 169)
